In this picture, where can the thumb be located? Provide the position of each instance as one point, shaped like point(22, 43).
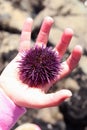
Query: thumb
point(53, 99)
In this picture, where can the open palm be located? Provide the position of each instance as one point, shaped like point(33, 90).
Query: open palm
point(21, 93)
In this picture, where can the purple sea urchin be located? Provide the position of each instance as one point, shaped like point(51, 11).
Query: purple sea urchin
point(39, 66)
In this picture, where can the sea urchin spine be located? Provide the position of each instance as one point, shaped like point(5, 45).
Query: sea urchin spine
point(39, 66)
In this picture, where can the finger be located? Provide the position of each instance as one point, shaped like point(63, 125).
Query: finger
point(50, 100)
point(64, 41)
point(26, 34)
point(54, 99)
point(42, 37)
point(74, 58)
point(71, 62)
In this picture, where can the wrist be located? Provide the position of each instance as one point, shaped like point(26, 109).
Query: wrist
point(9, 112)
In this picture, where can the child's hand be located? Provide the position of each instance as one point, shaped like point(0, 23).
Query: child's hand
point(26, 96)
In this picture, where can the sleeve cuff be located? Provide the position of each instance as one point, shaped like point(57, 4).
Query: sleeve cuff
point(9, 112)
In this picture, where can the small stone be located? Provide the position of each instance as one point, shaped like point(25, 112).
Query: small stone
point(28, 126)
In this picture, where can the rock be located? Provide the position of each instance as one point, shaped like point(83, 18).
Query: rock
point(83, 64)
point(33, 7)
point(68, 83)
point(11, 17)
point(8, 48)
point(71, 84)
point(55, 4)
point(60, 125)
point(52, 115)
point(75, 110)
point(8, 42)
point(55, 35)
point(28, 126)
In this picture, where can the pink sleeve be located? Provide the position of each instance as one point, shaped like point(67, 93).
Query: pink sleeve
point(9, 112)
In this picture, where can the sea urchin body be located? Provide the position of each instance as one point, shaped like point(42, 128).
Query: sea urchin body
point(39, 66)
